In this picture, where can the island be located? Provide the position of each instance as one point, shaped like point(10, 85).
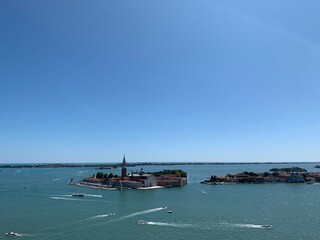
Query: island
point(134, 180)
point(275, 175)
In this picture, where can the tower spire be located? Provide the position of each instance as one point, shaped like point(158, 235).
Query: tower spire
point(124, 169)
point(124, 160)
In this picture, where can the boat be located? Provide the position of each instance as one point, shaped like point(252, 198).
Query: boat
point(77, 195)
point(266, 226)
point(12, 234)
point(142, 222)
point(170, 211)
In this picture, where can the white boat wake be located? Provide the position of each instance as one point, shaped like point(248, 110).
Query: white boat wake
point(56, 179)
point(102, 215)
point(178, 225)
point(14, 234)
point(142, 213)
point(71, 195)
point(64, 198)
point(63, 195)
point(93, 195)
point(241, 225)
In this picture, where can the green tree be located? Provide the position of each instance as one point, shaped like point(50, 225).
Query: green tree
point(213, 178)
point(111, 175)
point(99, 175)
point(252, 174)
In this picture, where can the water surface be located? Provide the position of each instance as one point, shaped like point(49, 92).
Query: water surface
point(37, 203)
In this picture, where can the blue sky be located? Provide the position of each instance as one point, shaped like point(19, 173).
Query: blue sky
point(222, 81)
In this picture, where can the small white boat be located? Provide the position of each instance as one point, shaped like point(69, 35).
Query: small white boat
point(12, 234)
point(77, 195)
point(266, 226)
point(142, 222)
point(170, 211)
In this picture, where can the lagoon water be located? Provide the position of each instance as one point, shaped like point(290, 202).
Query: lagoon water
point(37, 203)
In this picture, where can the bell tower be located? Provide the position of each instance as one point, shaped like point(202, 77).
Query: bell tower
point(124, 167)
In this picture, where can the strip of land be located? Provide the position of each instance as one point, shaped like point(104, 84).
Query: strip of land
point(117, 165)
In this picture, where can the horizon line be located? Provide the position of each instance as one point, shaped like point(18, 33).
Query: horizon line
point(153, 162)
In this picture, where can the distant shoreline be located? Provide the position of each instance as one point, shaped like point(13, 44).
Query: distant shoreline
point(116, 165)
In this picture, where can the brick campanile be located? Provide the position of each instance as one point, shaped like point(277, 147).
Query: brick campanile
point(124, 169)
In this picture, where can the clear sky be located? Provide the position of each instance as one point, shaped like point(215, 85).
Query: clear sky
point(227, 81)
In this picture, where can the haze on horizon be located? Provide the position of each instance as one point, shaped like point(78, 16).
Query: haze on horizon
point(220, 81)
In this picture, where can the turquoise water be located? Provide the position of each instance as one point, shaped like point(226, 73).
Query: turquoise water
point(37, 203)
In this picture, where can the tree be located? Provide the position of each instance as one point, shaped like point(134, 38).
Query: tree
point(213, 178)
point(99, 175)
point(177, 173)
point(252, 174)
point(111, 175)
point(105, 175)
point(265, 174)
point(183, 174)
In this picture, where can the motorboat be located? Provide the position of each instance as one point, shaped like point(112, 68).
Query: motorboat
point(12, 234)
point(266, 226)
point(142, 222)
point(170, 211)
point(77, 195)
